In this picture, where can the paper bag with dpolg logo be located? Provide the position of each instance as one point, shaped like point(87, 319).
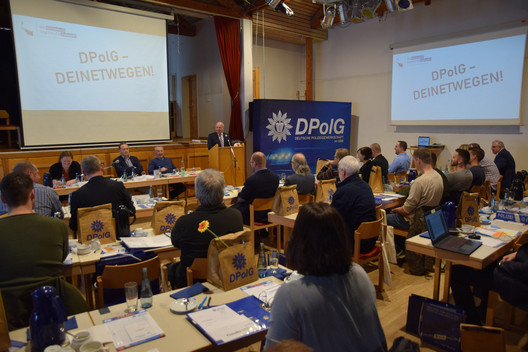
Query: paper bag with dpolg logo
point(286, 200)
point(469, 209)
point(233, 266)
point(325, 190)
point(96, 223)
point(165, 215)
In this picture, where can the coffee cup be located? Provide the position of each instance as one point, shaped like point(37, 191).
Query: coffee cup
point(79, 339)
point(92, 346)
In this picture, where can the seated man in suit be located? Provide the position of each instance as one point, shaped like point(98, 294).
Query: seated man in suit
point(99, 190)
point(380, 160)
point(302, 177)
point(126, 163)
point(32, 249)
point(165, 166)
point(218, 137)
point(262, 184)
point(209, 187)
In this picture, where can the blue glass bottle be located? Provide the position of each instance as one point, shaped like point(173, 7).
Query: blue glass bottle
point(146, 291)
point(48, 319)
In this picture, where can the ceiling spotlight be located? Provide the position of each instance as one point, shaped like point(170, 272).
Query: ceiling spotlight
point(356, 12)
point(280, 6)
point(404, 5)
point(370, 7)
point(341, 10)
point(391, 6)
point(328, 19)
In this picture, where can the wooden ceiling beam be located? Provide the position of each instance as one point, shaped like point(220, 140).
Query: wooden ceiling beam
point(209, 9)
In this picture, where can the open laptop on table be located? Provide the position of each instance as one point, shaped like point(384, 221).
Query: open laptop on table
point(439, 234)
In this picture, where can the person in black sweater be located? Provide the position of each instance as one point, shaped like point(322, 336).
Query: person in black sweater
point(364, 155)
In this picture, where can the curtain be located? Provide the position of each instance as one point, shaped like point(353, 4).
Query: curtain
point(228, 37)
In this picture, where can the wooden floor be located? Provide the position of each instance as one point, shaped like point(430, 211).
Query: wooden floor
point(392, 308)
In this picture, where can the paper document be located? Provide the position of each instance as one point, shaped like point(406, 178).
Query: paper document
point(147, 242)
point(256, 290)
point(133, 329)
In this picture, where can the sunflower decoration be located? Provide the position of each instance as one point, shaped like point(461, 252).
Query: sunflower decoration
point(204, 226)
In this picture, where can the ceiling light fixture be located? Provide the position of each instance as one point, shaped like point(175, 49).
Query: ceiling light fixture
point(328, 19)
point(391, 6)
point(369, 8)
point(280, 6)
point(356, 12)
point(341, 10)
point(405, 5)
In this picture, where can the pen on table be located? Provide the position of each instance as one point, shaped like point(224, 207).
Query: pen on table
point(209, 302)
point(201, 304)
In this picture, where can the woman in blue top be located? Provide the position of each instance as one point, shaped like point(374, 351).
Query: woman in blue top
point(333, 307)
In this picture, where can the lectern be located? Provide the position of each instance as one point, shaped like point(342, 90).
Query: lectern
point(222, 159)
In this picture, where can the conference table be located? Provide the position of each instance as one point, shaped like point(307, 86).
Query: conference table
point(479, 259)
point(288, 221)
point(180, 333)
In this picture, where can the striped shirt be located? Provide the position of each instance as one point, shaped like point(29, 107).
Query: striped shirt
point(490, 171)
point(46, 201)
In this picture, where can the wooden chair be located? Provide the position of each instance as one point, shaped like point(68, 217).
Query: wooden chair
point(4, 115)
point(198, 270)
point(261, 204)
point(305, 198)
point(115, 276)
point(5, 341)
point(475, 338)
point(498, 190)
point(365, 231)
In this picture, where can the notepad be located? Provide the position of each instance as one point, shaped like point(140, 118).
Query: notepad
point(133, 329)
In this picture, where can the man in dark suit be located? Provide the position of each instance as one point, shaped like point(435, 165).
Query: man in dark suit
point(262, 184)
point(99, 190)
point(218, 137)
point(505, 163)
point(379, 160)
point(126, 162)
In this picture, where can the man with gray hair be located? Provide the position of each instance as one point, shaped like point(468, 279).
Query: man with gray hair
point(47, 201)
point(209, 187)
point(505, 163)
point(302, 177)
point(354, 199)
point(99, 190)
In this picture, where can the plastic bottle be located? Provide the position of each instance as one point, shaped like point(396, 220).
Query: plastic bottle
point(151, 192)
point(182, 168)
point(146, 291)
point(69, 201)
point(63, 181)
point(124, 176)
point(492, 205)
point(261, 267)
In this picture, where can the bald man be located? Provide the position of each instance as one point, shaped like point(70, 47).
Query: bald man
point(218, 137)
point(302, 177)
point(261, 184)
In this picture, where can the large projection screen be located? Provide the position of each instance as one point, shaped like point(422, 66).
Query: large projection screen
point(472, 80)
point(89, 75)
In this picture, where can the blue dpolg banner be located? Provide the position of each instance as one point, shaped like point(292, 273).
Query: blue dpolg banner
point(282, 128)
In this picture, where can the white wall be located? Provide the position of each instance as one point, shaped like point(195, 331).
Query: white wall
point(199, 55)
point(355, 65)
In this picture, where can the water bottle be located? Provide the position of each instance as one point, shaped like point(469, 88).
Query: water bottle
point(69, 201)
point(151, 192)
point(182, 168)
point(261, 267)
point(82, 177)
point(63, 181)
point(492, 204)
point(146, 291)
point(77, 178)
point(132, 175)
point(124, 176)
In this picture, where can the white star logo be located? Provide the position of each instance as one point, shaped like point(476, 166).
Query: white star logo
point(279, 126)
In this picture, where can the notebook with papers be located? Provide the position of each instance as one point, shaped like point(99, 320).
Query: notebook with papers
point(440, 237)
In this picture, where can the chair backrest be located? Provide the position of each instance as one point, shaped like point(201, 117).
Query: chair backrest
point(475, 338)
point(5, 341)
point(4, 115)
point(401, 177)
point(115, 276)
point(306, 198)
point(198, 270)
point(165, 215)
point(390, 177)
point(365, 231)
point(497, 192)
point(260, 204)
point(96, 222)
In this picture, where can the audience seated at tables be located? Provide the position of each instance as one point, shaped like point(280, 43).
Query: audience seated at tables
point(354, 200)
point(209, 187)
point(380, 160)
point(47, 201)
point(165, 166)
point(126, 162)
point(402, 162)
point(302, 177)
point(505, 163)
point(364, 155)
point(491, 171)
point(461, 179)
point(261, 184)
point(425, 193)
point(329, 170)
point(475, 156)
point(509, 277)
point(66, 168)
point(333, 306)
point(32, 249)
point(99, 190)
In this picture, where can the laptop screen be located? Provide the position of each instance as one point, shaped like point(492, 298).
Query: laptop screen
point(436, 224)
point(423, 141)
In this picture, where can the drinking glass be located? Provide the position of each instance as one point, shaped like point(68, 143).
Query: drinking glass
point(274, 261)
point(159, 192)
point(131, 294)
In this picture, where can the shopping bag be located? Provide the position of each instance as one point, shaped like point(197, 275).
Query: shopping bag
point(469, 209)
point(96, 223)
point(376, 179)
point(286, 201)
point(389, 239)
point(325, 190)
point(165, 215)
point(233, 266)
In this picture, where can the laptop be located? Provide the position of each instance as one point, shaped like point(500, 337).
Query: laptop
point(424, 141)
point(439, 234)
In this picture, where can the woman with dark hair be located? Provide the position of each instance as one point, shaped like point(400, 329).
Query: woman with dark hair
point(333, 307)
point(65, 167)
point(365, 157)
